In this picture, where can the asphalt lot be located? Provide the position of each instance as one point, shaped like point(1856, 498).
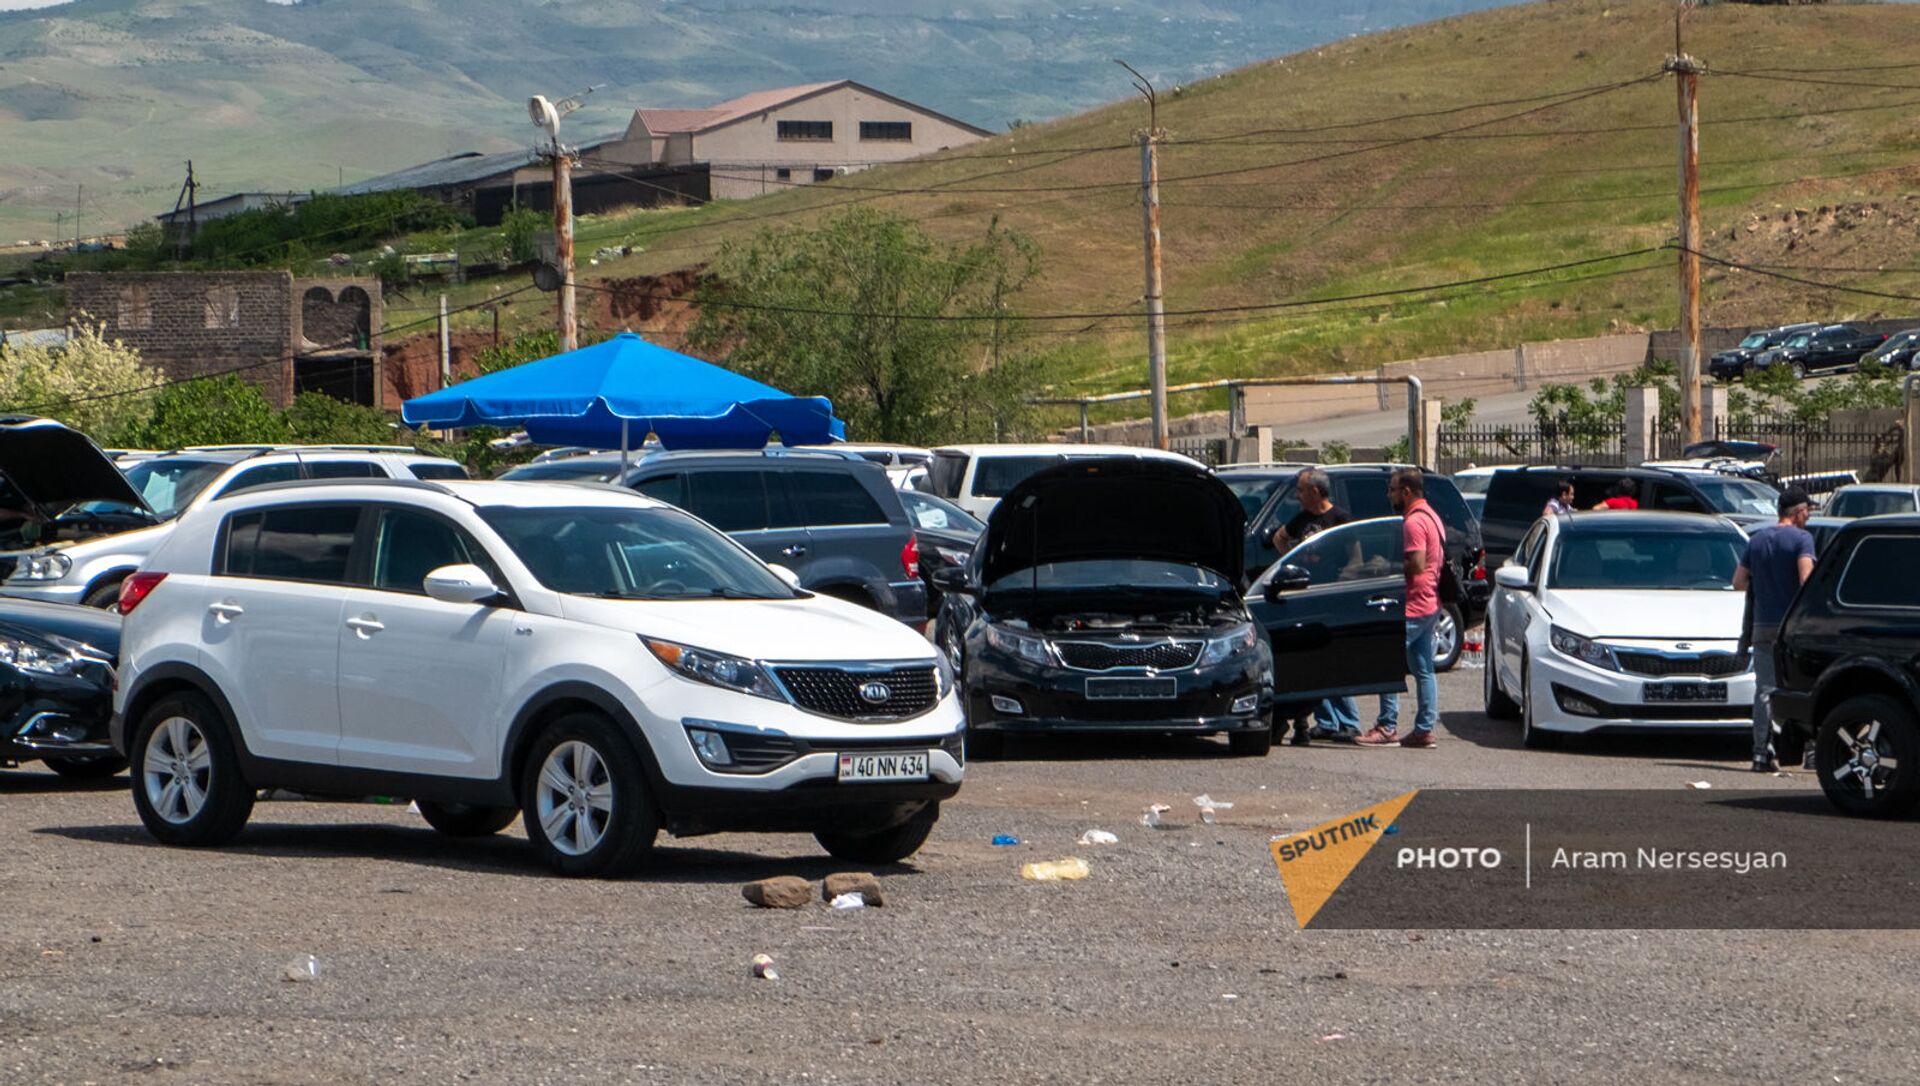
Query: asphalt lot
point(1177, 960)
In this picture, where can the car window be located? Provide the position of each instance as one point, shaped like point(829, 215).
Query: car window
point(1252, 490)
point(732, 501)
point(598, 471)
point(998, 474)
point(1730, 495)
point(1352, 552)
point(1879, 573)
point(666, 488)
point(260, 475)
point(624, 552)
point(1869, 503)
point(831, 497)
point(293, 543)
point(935, 515)
point(438, 471)
point(1757, 339)
point(344, 469)
point(1528, 553)
point(1634, 558)
point(1673, 497)
point(1517, 497)
point(946, 472)
point(1364, 496)
point(409, 544)
point(1447, 502)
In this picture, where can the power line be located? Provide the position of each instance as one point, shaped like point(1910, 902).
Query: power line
point(1813, 82)
point(1758, 269)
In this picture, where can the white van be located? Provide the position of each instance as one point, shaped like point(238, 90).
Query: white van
point(975, 477)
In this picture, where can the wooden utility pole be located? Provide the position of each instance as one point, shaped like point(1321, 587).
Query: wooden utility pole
point(1150, 224)
point(446, 346)
point(1686, 71)
point(563, 243)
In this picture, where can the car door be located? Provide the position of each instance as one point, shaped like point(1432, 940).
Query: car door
point(420, 679)
point(1509, 610)
point(852, 538)
point(1345, 633)
point(751, 504)
point(269, 635)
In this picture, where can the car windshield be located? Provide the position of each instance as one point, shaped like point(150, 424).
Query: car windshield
point(1635, 558)
point(1472, 484)
point(1115, 572)
point(1757, 339)
point(1800, 339)
point(1730, 495)
point(996, 475)
point(1252, 491)
point(167, 484)
point(936, 515)
point(1870, 503)
point(596, 471)
point(631, 553)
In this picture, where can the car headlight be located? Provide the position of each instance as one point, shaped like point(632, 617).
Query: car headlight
point(951, 556)
point(1034, 650)
point(1583, 649)
point(43, 567)
point(1221, 649)
point(943, 669)
point(714, 668)
point(38, 659)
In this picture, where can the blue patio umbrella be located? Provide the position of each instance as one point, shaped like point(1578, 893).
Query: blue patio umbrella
point(612, 394)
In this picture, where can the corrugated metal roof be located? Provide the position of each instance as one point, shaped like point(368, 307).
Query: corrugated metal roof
point(464, 168)
point(661, 122)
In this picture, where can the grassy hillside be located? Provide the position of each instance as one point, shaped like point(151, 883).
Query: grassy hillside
point(115, 94)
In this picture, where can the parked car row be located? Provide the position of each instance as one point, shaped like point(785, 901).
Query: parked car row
point(1811, 348)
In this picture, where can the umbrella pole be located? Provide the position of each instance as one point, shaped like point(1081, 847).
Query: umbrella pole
point(623, 451)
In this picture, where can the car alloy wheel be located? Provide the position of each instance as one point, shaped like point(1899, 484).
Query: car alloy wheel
point(1800, 371)
point(1870, 763)
point(575, 798)
point(1531, 736)
point(1865, 755)
point(177, 771)
point(1446, 639)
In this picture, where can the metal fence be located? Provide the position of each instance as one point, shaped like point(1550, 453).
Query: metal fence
point(1810, 447)
point(1803, 447)
point(1208, 450)
point(1480, 446)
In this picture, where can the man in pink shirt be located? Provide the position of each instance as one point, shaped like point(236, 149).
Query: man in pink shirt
point(1425, 547)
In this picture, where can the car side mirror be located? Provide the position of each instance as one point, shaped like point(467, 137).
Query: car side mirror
point(1287, 579)
point(785, 574)
point(951, 579)
point(462, 583)
point(1514, 577)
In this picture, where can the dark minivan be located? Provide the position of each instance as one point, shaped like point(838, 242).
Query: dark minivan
point(1517, 496)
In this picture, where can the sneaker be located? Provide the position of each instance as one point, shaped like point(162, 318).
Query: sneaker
point(1764, 764)
point(1378, 737)
point(1418, 739)
point(1335, 735)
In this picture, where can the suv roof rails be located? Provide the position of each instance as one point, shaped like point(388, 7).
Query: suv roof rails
point(335, 484)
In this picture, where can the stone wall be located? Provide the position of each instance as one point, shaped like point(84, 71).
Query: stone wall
point(191, 324)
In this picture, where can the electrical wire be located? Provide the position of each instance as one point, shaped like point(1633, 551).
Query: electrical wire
point(1758, 269)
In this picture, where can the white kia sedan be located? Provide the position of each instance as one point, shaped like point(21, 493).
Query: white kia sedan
point(1620, 621)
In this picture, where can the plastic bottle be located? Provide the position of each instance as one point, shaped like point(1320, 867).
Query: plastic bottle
point(1473, 651)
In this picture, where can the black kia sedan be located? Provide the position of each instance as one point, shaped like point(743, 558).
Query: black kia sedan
point(56, 686)
point(1105, 597)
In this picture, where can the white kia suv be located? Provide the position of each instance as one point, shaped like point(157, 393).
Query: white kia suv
point(600, 662)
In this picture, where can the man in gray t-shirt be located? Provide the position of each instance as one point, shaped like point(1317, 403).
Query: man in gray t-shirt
point(1777, 562)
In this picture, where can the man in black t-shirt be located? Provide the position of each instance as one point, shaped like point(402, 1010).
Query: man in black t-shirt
point(1317, 511)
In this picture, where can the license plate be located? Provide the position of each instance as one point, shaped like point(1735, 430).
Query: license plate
point(1670, 692)
point(1131, 688)
point(905, 766)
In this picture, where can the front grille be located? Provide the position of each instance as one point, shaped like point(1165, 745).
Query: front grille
point(1108, 656)
point(1659, 665)
point(836, 692)
point(758, 753)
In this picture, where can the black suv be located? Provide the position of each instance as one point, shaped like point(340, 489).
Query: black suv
point(1848, 662)
point(1517, 496)
point(1266, 493)
point(829, 517)
point(1735, 361)
point(1833, 347)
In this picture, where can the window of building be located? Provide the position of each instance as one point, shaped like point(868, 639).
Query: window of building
point(886, 130)
point(783, 174)
point(135, 312)
point(804, 130)
point(223, 306)
point(823, 175)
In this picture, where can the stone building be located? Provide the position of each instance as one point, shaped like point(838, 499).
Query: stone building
point(285, 335)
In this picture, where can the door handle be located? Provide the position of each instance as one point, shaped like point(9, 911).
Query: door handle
point(225, 612)
point(793, 551)
point(365, 625)
point(1383, 601)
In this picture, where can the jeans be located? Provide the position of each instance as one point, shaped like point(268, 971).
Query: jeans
point(1426, 688)
point(1345, 713)
point(1764, 683)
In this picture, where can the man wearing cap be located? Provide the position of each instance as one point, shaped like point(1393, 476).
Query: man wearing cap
point(1777, 562)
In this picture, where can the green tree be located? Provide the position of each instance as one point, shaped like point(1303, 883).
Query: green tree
point(93, 384)
point(518, 350)
point(222, 410)
point(316, 418)
point(909, 338)
point(522, 227)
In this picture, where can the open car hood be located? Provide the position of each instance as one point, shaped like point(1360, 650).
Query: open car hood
point(51, 466)
point(1092, 508)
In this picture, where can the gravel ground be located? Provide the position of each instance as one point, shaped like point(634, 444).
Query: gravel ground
point(1177, 960)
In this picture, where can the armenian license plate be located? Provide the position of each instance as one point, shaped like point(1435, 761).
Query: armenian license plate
point(896, 766)
point(1679, 692)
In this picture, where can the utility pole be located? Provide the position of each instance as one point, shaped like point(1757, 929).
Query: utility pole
point(1150, 225)
point(79, 197)
point(446, 346)
point(1686, 71)
point(563, 243)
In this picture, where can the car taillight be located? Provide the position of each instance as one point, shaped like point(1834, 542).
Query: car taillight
point(910, 557)
point(136, 587)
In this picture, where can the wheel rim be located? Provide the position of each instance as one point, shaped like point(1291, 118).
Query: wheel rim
point(1445, 635)
point(178, 770)
point(574, 798)
point(1869, 765)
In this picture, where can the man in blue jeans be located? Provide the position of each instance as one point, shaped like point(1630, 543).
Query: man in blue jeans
point(1778, 560)
point(1425, 547)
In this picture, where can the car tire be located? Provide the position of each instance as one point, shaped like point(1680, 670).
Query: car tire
point(466, 819)
point(1799, 371)
point(985, 746)
point(96, 768)
point(182, 749)
point(1499, 706)
point(888, 846)
point(1252, 744)
point(105, 596)
point(1854, 737)
point(1446, 652)
point(591, 815)
point(1531, 737)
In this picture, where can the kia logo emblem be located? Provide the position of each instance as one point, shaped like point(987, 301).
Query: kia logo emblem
point(876, 693)
point(1683, 646)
